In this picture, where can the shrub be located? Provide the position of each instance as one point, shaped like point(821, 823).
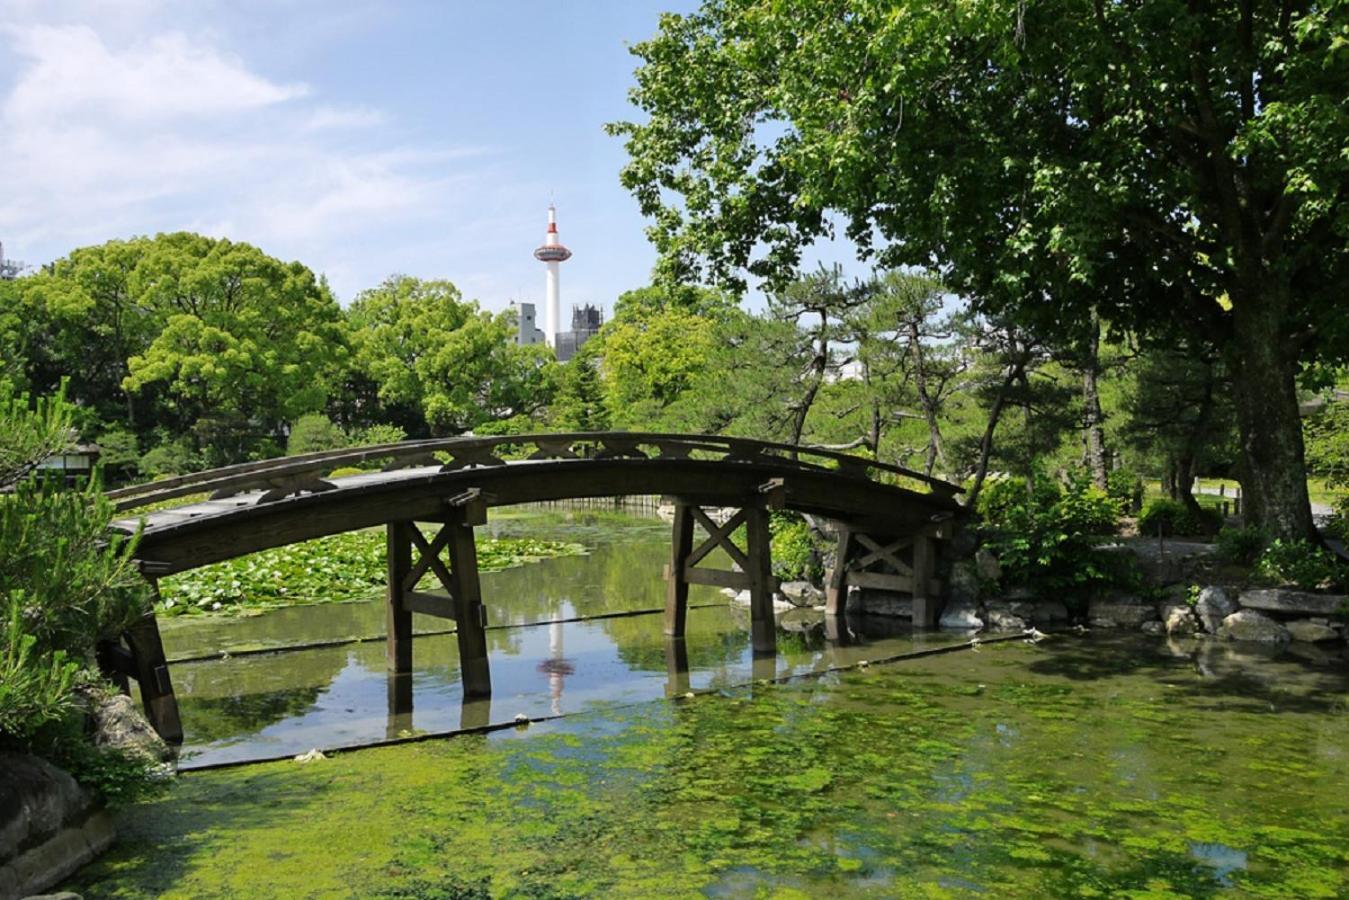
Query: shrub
point(1241, 545)
point(797, 553)
point(1302, 564)
point(1084, 507)
point(315, 432)
point(378, 434)
point(1338, 526)
point(1125, 487)
point(1001, 496)
point(171, 458)
point(1174, 518)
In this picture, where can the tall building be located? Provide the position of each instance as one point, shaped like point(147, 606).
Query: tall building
point(528, 331)
point(9, 268)
point(552, 253)
point(585, 323)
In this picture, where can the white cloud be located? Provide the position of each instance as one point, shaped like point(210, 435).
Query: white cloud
point(326, 117)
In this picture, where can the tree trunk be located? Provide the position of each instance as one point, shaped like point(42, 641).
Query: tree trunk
point(1264, 370)
point(986, 443)
point(1093, 419)
point(934, 447)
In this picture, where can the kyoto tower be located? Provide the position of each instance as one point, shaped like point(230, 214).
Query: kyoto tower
point(552, 253)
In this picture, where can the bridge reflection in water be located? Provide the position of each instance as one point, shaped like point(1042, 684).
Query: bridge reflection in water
point(431, 495)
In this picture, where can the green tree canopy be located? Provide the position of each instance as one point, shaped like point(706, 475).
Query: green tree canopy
point(423, 345)
point(1171, 164)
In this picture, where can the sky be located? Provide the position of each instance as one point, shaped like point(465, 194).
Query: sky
point(360, 138)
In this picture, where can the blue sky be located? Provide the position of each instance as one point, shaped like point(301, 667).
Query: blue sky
point(359, 138)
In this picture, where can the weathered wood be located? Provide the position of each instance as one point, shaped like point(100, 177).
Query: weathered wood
point(437, 605)
point(718, 536)
point(836, 586)
point(676, 666)
point(676, 584)
point(398, 687)
point(429, 557)
point(883, 553)
point(716, 578)
point(152, 675)
point(397, 617)
point(883, 581)
point(470, 615)
point(759, 574)
point(925, 601)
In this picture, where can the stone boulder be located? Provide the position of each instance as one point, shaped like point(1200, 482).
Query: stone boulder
point(1049, 611)
point(1181, 620)
point(49, 826)
point(1255, 627)
point(1282, 600)
point(801, 593)
point(1154, 627)
point(1005, 620)
point(962, 616)
point(962, 588)
point(120, 725)
point(1121, 611)
point(1212, 607)
point(880, 602)
point(742, 598)
point(1311, 632)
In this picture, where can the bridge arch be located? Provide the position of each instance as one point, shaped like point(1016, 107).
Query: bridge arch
point(890, 522)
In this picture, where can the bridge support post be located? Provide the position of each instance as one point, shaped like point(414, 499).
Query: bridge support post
point(470, 615)
point(755, 564)
point(397, 617)
point(902, 564)
point(151, 671)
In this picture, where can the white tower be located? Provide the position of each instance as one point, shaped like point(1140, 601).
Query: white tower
point(552, 253)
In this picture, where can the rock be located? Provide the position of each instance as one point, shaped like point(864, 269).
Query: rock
point(801, 593)
point(1311, 632)
point(1212, 607)
point(987, 565)
point(48, 825)
point(961, 616)
point(1050, 611)
point(1181, 620)
point(1154, 627)
point(1282, 600)
point(120, 725)
point(878, 602)
point(1020, 593)
point(1253, 626)
point(1002, 620)
point(1114, 612)
point(963, 585)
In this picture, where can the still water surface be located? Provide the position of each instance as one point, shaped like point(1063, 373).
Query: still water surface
point(1098, 766)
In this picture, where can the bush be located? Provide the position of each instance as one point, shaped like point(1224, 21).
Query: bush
point(313, 433)
point(797, 553)
point(1001, 496)
point(1302, 564)
point(378, 434)
point(1175, 519)
point(1241, 545)
point(171, 458)
point(1338, 526)
point(1125, 487)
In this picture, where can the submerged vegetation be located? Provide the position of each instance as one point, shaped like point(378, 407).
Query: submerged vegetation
point(333, 569)
point(1072, 770)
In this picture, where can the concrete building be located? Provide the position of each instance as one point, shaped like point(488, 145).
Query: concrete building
point(528, 331)
point(586, 322)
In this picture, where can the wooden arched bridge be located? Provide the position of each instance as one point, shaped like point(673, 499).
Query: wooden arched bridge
point(890, 521)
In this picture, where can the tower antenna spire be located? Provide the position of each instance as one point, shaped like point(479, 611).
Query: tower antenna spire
point(551, 254)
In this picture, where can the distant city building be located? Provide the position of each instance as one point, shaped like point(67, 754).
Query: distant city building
point(9, 268)
point(585, 323)
point(528, 331)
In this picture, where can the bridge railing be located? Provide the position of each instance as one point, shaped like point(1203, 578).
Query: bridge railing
point(289, 475)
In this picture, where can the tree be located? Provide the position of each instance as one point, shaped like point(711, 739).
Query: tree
point(315, 432)
point(579, 403)
point(1174, 165)
point(427, 348)
point(651, 356)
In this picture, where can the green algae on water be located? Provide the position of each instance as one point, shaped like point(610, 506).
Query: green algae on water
point(937, 777)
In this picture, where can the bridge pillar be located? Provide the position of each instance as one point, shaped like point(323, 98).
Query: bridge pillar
point(755, 564)
point(459, 579)
point(904, 564)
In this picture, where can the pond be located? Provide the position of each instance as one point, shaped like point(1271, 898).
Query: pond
point(1080, 766)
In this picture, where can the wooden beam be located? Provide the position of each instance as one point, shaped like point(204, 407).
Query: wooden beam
point(398, 618)
point(470, 615)
point(884, 553)
point(429, 557)
point(437, 605)
point(926, 604)
point(881, 581)
point(717, 578)
point(719, 536)
point(836, 586)
point(152, 674)
point(759, 573)
point(676, 584)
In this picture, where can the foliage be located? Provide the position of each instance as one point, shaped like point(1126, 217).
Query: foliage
point(315, 432)
point(428, 349)
point(1125, 487)
point(335, 569)
point(32, 433)
point(1174, 168)
point(1047, 540)
point(374, 435)
point(1173, 518)
point(1242, 546)
point(1302, 564)
point(579, 404)
point(119, 451)
point(650, 359)
point(1327, 436)
point(173, 457)
point(798, 554)
point(1338, 526)
point(35, 688)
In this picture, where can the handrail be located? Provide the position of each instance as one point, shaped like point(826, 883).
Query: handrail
point(289, 475)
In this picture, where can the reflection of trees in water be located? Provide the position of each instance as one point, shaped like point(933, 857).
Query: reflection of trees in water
point(219, 718)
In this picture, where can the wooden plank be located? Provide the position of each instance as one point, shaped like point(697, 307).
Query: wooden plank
point(469, 611)
point(398, 618)
point(152, 674)
point(881, 581)
point(759, 573)
point(836, 586)
point(717, 578)
point(926, 604)
point(438, 605)
point(676, 585)
point(884, 553)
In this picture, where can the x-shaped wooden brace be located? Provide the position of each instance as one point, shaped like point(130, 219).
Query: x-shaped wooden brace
point(881, 553)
